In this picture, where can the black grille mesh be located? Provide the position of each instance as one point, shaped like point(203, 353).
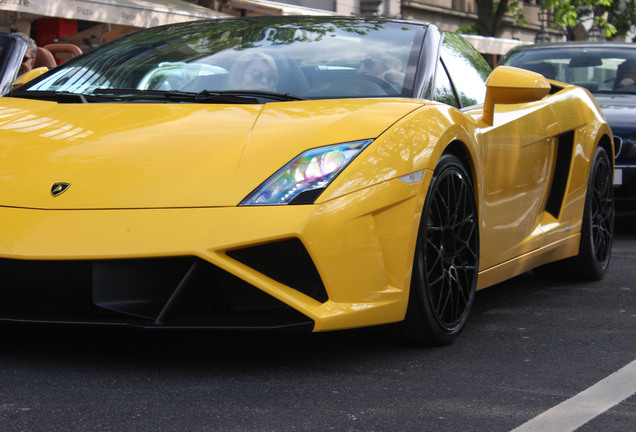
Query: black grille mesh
point(144, 292)
point(287, 262)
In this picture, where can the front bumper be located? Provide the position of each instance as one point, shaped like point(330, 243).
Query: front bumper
point(345, 263)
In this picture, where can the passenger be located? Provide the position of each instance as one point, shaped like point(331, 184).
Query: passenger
point(29, 56)
point(383, 66)
point(253, 71)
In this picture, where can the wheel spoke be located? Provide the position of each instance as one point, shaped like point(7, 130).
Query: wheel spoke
point(451, 248)
point(602, 212)
point(444, 297)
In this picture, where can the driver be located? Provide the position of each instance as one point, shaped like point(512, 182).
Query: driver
point(383, 66)
point(628, 77)
point(253, 71)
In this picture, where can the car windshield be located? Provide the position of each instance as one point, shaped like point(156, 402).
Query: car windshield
point(311, 58)
point(599, 69)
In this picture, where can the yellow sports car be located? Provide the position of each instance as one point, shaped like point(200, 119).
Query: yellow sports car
point(280, 173)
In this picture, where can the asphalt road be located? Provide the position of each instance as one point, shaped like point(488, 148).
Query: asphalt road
point(530, 345)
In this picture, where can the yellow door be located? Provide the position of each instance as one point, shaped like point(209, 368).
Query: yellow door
point(518, 157)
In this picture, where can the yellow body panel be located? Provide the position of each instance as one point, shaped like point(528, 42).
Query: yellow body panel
point(517, 234)
point(363, 255)
point(157, 180)
point(129, 156)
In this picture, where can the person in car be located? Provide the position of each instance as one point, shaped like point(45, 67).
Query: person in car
point(253, 71)
point(383, 66)
point(29, 56)
point(626, 75)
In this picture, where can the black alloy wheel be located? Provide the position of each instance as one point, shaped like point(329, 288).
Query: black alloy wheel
point(602, 211)
point(446, 261)
point(597, 227)
point(597, 230)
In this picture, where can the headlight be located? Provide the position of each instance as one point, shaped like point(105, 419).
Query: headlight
point(308, 174)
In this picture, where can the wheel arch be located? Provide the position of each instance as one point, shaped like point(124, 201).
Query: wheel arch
point(462, 152)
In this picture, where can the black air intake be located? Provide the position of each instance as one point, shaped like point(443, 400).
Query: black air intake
point(287, 262)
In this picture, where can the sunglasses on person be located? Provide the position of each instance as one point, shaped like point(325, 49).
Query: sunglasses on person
point(368, 63)
point(258, 75)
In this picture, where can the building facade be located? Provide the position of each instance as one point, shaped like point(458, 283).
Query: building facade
point(89, 23)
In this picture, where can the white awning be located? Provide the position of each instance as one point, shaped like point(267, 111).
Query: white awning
point(135, 13)
point(267, 7)
point(491, 45)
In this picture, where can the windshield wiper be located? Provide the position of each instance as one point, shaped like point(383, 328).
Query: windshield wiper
point(259, 94)
point(122, 95)
point(56, 96)
point(205, 96)
point(169, 95)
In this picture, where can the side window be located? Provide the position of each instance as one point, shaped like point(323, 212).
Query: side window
point(467, 68)
point(443, 91)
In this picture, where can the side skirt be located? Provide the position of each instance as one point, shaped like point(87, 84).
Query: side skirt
point(553, 252)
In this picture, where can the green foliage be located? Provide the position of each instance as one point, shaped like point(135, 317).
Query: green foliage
point(515, 8)
point(620, 16)
point(614, 18)
point(470, 28)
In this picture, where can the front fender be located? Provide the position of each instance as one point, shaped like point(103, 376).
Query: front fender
point(413, 144)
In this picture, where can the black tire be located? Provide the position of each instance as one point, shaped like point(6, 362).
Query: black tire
point(446, 260)
point(597, 227)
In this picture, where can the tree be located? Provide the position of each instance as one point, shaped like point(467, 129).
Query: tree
point(211, 4)
point(614, 17)
point(623, 19)
point(491, 13)
point(489, 16)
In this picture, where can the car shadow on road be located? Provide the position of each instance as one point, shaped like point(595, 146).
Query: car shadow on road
point(118, 346)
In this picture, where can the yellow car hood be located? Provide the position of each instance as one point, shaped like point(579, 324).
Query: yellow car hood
point(148, 155)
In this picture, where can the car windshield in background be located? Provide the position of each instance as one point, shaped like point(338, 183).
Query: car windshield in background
point(603, 69)
point(309, 59)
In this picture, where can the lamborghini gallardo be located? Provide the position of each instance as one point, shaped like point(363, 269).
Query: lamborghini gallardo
point(280, 173)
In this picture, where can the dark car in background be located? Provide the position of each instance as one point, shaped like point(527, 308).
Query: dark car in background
point(608, 71)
